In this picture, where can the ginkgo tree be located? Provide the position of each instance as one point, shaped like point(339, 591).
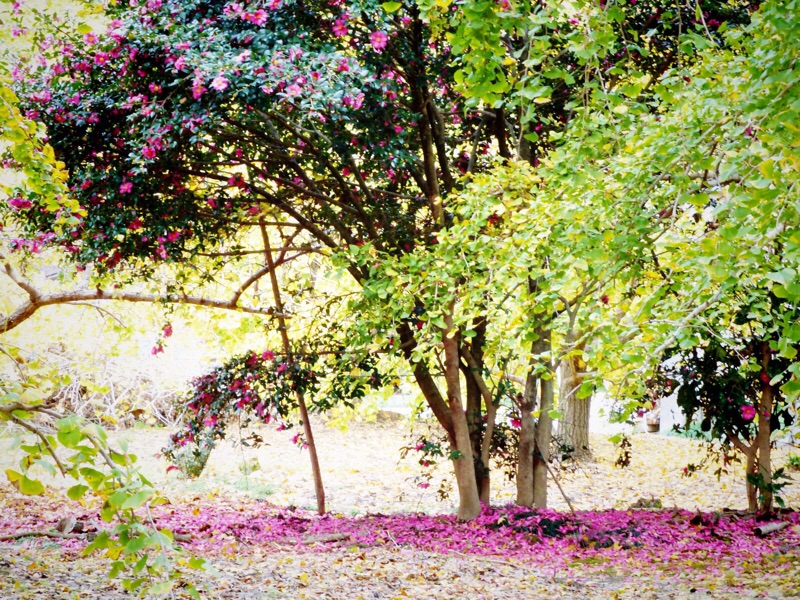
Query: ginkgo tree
point(683, 214)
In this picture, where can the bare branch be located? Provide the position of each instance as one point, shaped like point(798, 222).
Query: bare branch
point(27, 309)
point(250, 281)
point(32, 292)
point(54, 534)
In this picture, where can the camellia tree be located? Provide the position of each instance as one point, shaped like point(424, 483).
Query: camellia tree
point(187, 124)
point(734, 382)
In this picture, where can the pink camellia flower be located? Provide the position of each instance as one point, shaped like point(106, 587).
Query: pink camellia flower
point(378, 39)
point(19, 203)
point(210, 421)
point(173, 236)
point(259, 17)
point(748, 412)
point(268, 355)
point(293, 90)
point(149, 152)
point(219, 83)
point(340, 27)
point(101, 58)
point(198, 89)
point(126, 188)
point(167, 330)
point(135, 225)
point(516, 423)
point(180, 63)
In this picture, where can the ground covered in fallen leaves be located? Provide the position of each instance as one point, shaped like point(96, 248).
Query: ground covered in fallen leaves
point(387, 537)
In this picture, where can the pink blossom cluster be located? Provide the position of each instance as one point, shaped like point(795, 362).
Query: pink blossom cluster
point(34, 245)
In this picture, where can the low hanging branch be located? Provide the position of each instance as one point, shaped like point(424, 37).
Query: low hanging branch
point(37, 299)
point(29, 307)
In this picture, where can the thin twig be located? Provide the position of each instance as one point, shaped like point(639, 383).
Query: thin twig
point(560, 489)
point(54, 534)
point(42, 436)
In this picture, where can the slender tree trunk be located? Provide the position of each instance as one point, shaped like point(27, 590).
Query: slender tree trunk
point(474, 416)
point(319, 490)
point(544, 432)
point(573, 427)
point(469, 505)
point(473, 376)
point(484, 451)
point(485, 490)
point(426, 383)
point(764, 431)
point(527, 440)
point(752, 490)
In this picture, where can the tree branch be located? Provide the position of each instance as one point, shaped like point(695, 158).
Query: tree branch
point(27, 309)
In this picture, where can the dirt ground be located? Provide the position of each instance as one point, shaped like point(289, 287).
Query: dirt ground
point(363, 473)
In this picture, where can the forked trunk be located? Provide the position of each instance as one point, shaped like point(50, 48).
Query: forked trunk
point(469, 505)
point(534, 437)
point(527, 441)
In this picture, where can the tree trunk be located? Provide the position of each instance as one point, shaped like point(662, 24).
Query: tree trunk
point(473, 372)
point(573, 427)
point(544, 433)
point(750, 469)
point(426, 382)
point(527, 440)
point(474, 416)
point(764, 431)
point(319, 490)
point(469, 505)
point(483, 476)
